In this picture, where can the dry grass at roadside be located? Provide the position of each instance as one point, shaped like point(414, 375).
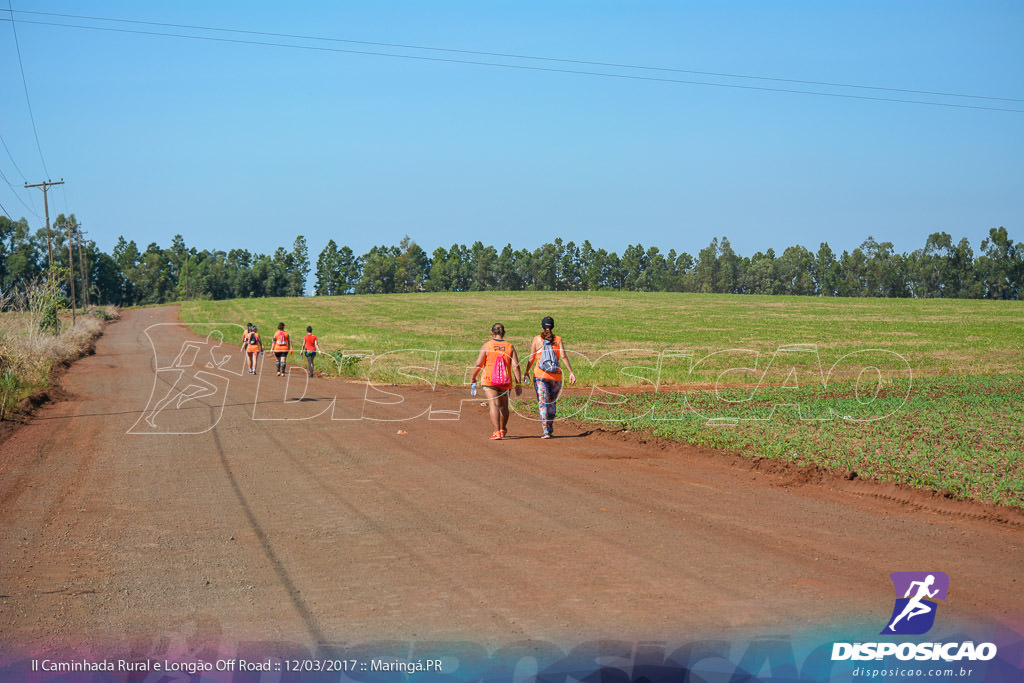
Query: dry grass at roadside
point(27, 354)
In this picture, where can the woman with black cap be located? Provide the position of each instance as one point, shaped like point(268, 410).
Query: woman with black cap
point(547, 351)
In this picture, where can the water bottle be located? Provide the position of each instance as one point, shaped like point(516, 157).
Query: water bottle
point(472, 389)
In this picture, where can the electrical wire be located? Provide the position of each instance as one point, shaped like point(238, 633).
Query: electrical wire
point(32, 209)
point(24, 82)
point(18, 196)
point(526, 67)
point(521, 56)
point(11, 157)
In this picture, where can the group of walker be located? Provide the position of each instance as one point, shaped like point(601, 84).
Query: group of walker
point(498, 362)
point(281, 346)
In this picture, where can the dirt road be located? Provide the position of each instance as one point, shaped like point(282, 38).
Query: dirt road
point(264, 526)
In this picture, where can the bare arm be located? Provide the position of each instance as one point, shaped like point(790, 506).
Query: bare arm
point(518, 372)
point(565, 359)
point(515, 366)
point(480, 360)
point(533, 354)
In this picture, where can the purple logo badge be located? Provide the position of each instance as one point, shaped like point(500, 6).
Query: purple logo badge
point(916, 595)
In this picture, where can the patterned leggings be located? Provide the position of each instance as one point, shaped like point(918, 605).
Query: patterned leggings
point(547, 394)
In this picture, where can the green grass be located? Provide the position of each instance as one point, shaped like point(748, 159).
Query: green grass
point(950, 371)
point(957, 434)
point(937, 337)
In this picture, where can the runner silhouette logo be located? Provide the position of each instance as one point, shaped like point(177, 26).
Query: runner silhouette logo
point(916, 595)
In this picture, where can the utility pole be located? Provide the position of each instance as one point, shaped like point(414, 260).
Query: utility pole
point(71, 275)
point(82, 265)
point(45, 185)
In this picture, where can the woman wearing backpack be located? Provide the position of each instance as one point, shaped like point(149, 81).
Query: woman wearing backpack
point(498, 362)
point(548, 353)
point(252, 345)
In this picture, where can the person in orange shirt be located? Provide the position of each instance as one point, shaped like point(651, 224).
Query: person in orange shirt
point(310, 347)
point(252, 345)
point(282, 347)
point(499, 362)
point(547, 351)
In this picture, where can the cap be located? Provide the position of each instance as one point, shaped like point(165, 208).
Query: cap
point(548, 323)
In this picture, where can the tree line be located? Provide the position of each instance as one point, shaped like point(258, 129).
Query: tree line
point(130, 275)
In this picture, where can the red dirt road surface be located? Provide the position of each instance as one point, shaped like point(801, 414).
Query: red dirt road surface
point(258, 525)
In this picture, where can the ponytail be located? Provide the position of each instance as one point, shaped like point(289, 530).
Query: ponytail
point(547, 335)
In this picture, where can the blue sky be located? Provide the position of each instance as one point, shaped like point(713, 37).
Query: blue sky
point(249, 145)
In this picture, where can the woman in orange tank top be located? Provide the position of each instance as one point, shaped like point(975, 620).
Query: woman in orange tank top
point(282, 346)
point(253, 346)
point(499, 363)
point(547, 381)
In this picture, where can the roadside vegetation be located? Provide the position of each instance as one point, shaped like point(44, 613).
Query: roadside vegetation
point(35, 336)
point(958, 435)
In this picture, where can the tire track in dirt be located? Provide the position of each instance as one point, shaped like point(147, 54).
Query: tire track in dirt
point(279, 569)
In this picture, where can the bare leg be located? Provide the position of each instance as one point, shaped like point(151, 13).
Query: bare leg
point(492, 396)
point(503, 411)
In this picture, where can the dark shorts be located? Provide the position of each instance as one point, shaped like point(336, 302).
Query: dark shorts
point(281, 355)
point(309, 354)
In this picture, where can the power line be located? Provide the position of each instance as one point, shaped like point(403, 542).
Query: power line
point(24, 82)
point(11, 156)
point(18, 196)
point(31, 209)
point(520, 56)
point(527, 68)
point(5, 212)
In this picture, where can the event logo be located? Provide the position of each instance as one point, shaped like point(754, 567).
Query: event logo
point(190, 383)
point(914, 612)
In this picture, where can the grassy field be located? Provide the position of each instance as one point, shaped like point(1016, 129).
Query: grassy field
point(937, 337)
point(963, 435)
point(941, 411)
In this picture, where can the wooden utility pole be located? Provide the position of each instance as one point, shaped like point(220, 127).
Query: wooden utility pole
point(82, 265)
point(71, 275)
point(46, 206)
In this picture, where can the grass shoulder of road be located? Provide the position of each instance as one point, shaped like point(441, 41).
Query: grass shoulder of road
point(959, 435)
point(793, 378)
